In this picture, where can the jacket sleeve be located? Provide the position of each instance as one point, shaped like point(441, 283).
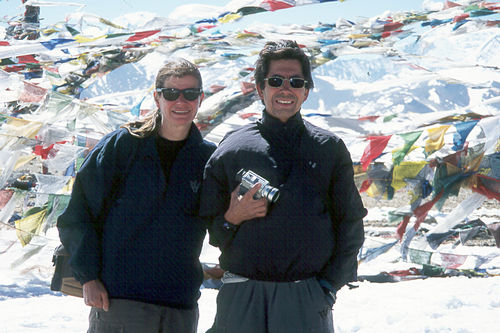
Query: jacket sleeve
point(80, 225)
point(347, 213)
point(215, 198)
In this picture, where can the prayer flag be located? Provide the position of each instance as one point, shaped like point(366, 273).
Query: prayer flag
point(410, 138)
point(29, 226)
point(463, 130)
point(376, 145)
point(436, 139)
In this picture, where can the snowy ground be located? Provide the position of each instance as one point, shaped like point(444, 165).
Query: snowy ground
point(456, 304)
point(452, 304)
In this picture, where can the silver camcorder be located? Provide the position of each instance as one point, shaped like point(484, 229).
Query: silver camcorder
point(249, 179)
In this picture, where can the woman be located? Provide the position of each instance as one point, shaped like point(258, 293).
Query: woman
point(132, 226)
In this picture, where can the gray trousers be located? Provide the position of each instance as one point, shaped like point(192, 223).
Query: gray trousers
point(127, 316)
point(249, 306)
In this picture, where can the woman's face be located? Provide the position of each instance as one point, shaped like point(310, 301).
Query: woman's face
point(178, 114)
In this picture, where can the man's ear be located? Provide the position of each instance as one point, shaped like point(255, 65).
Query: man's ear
point(259, 91)
point(306, 94)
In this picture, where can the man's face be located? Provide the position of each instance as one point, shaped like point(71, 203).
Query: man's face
point(285, 101)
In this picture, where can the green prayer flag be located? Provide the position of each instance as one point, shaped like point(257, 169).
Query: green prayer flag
point(410, 138)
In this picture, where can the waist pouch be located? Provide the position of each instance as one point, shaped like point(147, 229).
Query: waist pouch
point(63, 279)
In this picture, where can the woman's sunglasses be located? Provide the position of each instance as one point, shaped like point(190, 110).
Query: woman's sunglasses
point(276, 82)
point(171, 94)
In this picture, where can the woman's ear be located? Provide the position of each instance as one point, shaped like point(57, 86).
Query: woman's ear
point(156, 97)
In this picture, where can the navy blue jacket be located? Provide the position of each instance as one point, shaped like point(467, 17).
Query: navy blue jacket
point(315, 228)
point(144, 240)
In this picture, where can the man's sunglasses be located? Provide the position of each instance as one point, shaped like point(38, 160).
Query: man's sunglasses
point(276, 82)
point(171, 94)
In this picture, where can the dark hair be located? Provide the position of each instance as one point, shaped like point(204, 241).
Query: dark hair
point(150, 124)
point(283, 49)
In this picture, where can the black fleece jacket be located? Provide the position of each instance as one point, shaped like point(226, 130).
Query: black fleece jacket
point(133, 229)
point(314, 229)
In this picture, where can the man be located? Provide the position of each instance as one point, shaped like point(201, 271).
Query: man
point(284, 261)
point(132, 226)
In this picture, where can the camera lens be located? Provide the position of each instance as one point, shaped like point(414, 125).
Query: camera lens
point(270, 193)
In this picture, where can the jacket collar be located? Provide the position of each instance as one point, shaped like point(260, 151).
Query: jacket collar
point(194, 136)
point(293, 124)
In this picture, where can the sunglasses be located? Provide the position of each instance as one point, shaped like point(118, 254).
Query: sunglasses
point(276, 82)
point(171, 94)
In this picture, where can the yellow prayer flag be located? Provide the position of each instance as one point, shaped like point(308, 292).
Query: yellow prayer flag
point(111, 24)
point(373, 191)
point(49, 31)
point(363, 43)
point(405, 170)
point(436, 139)
point(247, 35)
point(357, 36)
point(230, 18)
point(475, 163)
point(21, 127)
point(81, 39)
point(29, 226)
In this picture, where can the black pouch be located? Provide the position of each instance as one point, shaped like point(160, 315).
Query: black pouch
point(63, 279)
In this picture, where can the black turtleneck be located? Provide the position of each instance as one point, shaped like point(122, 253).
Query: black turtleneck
point(168, 150)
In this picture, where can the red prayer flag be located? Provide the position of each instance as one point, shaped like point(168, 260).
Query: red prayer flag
point(452, 260)
point(450, 4)
point(14, 68)
point(461, 17)
point(401, 229)
point(487, 186)
point(43, 152)
point(376, 146)
point(366, 184)
point(370, 118)
point(392, 26)
point(204, 27)
point(273, 5)
point(25, 59)
point(142, 35)
point(247, 87)
point(248, 115)
point(5, 196)
point(32, 93)
point(421, 211)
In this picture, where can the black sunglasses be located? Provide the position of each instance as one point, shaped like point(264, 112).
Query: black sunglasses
point(171, 94)
point(276, 82)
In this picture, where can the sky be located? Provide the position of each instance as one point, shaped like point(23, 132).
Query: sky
point(327, 12)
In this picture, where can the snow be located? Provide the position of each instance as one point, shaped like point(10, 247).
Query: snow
point(451, 304)
point(422, 78)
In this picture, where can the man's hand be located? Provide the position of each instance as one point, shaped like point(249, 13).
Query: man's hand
point(95, 294)
point(243, 208)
